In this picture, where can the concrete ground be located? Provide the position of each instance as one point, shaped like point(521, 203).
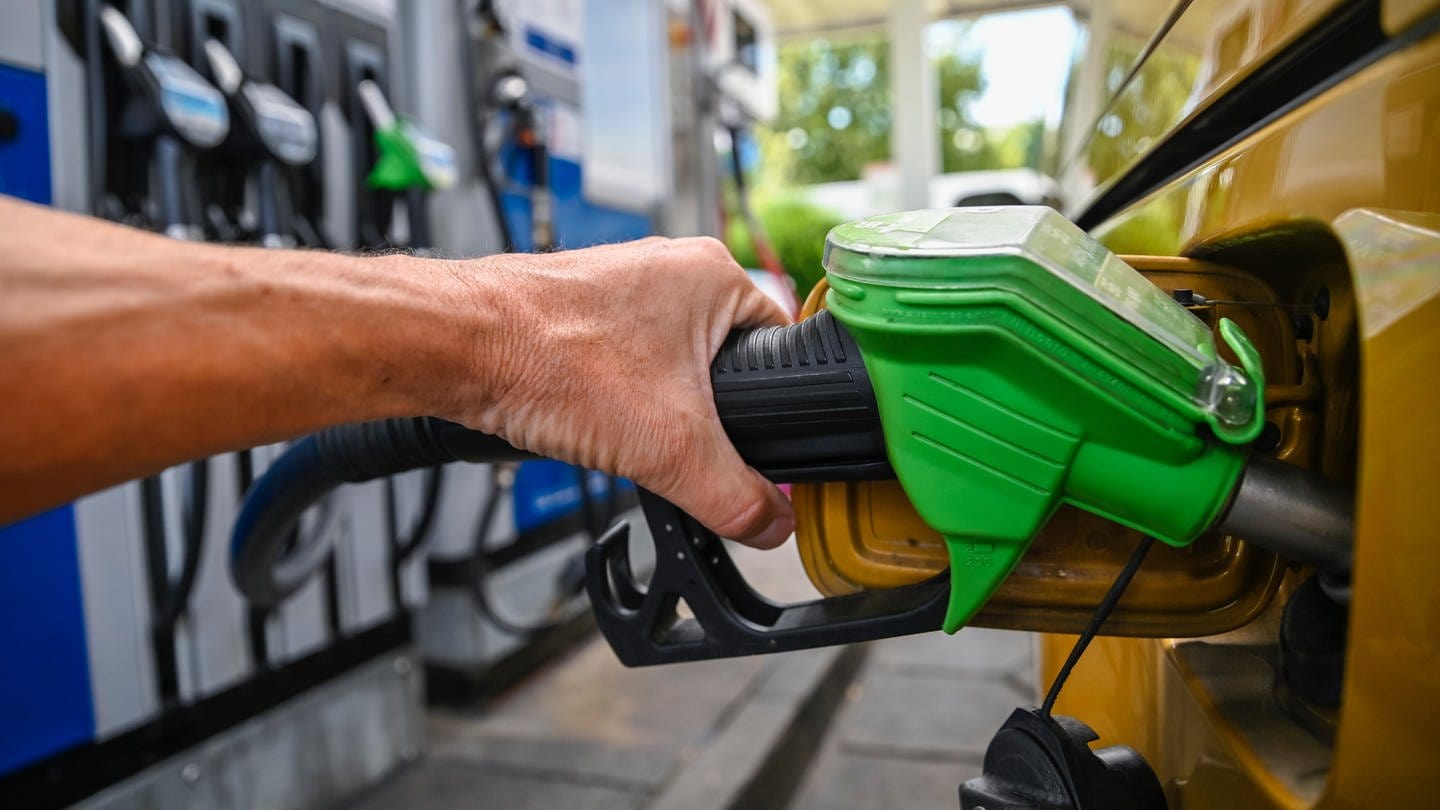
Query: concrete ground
point(916, 721)
point(898, 723)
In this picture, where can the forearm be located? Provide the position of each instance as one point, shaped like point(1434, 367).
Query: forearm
point(123, 352)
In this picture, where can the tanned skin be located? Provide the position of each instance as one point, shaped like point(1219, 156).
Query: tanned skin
point(124, 352)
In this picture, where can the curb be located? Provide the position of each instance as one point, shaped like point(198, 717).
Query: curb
point(759, 758)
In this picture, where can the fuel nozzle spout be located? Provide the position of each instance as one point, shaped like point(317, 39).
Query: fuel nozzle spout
point(1295, 513)
point(410, 158)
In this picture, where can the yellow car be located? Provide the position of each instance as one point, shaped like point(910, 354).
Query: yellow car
point(1276, 163)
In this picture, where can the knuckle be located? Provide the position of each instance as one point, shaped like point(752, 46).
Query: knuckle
point(712, 247)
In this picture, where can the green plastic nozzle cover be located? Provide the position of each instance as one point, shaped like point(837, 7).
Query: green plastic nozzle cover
point(411, 159)
point(1019, 365)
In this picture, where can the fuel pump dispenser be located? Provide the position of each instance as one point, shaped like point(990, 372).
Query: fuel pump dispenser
point(223, 208)
point(165, 110)
point(170, 107)
point(411, 163)
point(506, 126)
point(504, 562)
point(270, 134)
point(169, 115)
point(272, 137)
point(363, 59)
point(297, 67)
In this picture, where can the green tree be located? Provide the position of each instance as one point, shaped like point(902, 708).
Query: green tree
point(796, 230)
point(964, 145)
point(835, 112)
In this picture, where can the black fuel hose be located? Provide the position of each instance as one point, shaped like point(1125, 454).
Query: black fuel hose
point(96, 107)
point(293, 483)
point(265, 566)
point(481, 568)
point(193, 519)
point(414, 538)
point(795, 400)
point(170, 596)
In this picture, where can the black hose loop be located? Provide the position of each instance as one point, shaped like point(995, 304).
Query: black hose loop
point(268, 562)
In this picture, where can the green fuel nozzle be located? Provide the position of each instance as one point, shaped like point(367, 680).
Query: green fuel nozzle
point(409, 158)
point(1019, 365)
point(997, 361)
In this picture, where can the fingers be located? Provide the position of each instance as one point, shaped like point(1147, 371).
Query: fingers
point(736, 502)
point(708, 480)
point(752, 307)
point(687, 459)
point(755, 308)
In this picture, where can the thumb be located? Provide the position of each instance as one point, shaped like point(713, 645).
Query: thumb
point(731, 498)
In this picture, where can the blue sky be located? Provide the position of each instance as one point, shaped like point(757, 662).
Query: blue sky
point(1025, 56)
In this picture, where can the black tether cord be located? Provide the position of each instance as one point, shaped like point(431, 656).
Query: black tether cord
point(162, 639)
point(255, 618)
point(193, 521)
point(1101, 614)
point(434, 479)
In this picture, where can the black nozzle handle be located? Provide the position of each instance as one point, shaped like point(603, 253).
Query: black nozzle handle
point(797, 402)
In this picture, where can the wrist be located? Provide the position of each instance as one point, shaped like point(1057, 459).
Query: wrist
point(417, 343)
point(459, 351)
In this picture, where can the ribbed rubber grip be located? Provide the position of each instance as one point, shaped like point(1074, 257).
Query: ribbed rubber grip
point(370, 450)
point(797, 402)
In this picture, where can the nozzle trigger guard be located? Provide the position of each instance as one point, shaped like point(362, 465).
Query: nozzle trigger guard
point(730, 619)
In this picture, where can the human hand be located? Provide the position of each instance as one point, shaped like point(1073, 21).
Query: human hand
point(601, 358)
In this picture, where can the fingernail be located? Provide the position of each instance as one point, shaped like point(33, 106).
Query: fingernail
point(776, 533)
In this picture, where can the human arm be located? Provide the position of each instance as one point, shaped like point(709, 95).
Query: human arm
point(125, 352)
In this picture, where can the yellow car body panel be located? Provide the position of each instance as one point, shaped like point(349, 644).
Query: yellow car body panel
point(1397, 15)
point(1210, 48)
point(1356, 168)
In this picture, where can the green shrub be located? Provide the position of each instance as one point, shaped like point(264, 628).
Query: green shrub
point(796, 230)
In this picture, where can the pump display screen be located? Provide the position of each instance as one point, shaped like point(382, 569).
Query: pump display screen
point(747, 51)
